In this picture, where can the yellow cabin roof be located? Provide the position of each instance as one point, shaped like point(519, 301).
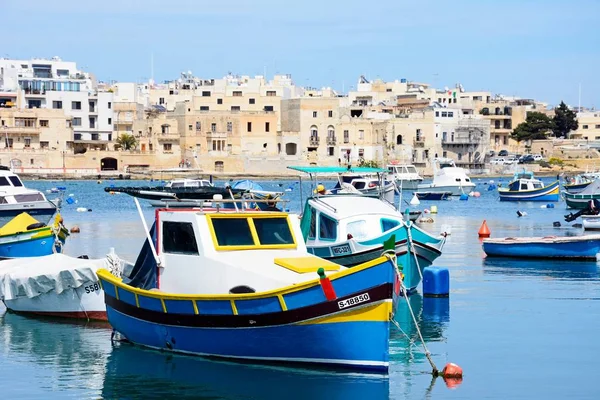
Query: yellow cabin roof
point(303, 265)
point(18, 224)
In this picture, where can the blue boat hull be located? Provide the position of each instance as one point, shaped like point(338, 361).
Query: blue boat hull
point(581, 249)
point(291, 326)
point(29, 248)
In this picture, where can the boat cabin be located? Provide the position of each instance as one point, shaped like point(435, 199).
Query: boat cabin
point(12, 190)
point(221, 252)
point(521, 185)
point(404, 170)
point(341, 218)
point(188, 183)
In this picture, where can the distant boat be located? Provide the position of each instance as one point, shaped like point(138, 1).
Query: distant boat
point(581, 200)
point(577, 184)
point(575, 247)
point(406, 176)
point(433, 195)
point(525, 187)
point(24, 236)
point(447, 177)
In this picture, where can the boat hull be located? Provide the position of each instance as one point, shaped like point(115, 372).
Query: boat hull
point(433, 195)
point(581, 248)
point(547, 193)
point(590, 222)
point(30, 244)
point(79, 303)
point(576, 187)
point(579, 201)
point(453, 190)
point(294, 325)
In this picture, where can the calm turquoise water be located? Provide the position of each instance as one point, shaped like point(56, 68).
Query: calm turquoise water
point(519, 329)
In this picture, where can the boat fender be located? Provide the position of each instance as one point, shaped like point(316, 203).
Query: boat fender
point(36, 226)
point(556, 224)
point(241, 289)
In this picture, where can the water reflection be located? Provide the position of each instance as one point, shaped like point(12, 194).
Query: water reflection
point(64, 356)
point(560, 269)
point(133, 372)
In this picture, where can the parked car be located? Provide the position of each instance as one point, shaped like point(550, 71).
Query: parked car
point(498, 161)
point(503, 153)
point(538, 157)
point(526, 159)
point(511, 160)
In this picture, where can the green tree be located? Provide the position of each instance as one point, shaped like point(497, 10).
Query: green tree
point(126, 142)
point(565, 120)
point(536, 126)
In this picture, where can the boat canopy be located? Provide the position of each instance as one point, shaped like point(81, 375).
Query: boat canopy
point(338, 170)
point(144, 274)
point(523, 175)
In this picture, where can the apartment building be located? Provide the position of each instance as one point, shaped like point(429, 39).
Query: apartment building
point(58, 85)
point(589, 126)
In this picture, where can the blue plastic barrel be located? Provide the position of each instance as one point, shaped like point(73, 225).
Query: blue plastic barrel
point(436, 282)
point(464, 196)
point(549, 205)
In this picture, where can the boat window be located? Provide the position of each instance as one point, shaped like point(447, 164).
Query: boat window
point(25, 198)
point(387, 224)
point(179, 238)
point(15, 181)
point(193, 184)
point(4, 181)
point(273, 230)
point(177, 184)
point(327, 227)
point(391, 170)
point(523, 186)
point(3, 200)
point(457, 179)
point(232, 231)
point(358, 229)
point(359, 185)
point(312, 232)
point(467, 180)
point(411, 170)
point(537, 185)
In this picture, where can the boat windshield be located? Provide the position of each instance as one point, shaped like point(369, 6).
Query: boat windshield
point(26, 198)
point(15, 181)
point(4, 181)
point(537, 185)
point(245, 233)
point(411, 169)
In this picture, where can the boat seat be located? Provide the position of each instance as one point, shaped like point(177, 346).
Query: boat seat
point(241, 289)
point(302, 265)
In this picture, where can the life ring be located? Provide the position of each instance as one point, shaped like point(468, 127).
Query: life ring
point(36, 226)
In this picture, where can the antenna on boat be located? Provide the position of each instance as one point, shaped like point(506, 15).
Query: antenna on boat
point(150, 241)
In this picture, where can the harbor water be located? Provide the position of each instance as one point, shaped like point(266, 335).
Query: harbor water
point(520, 329)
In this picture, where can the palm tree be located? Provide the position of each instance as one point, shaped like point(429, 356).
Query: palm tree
point(126, 142)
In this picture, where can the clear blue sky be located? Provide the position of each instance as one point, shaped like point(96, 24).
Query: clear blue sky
point(537, 49)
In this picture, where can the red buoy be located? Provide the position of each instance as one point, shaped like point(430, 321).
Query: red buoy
point(452, 374)
point(484, 231)
point(326, 285)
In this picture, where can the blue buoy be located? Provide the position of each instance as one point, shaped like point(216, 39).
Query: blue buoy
point(464, 196)
point(549, 205)
point(436, 282)
point(70, 200)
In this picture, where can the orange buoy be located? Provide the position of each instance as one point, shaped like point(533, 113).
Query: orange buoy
point(453, 375)
point(484, 231)
point(75, 229)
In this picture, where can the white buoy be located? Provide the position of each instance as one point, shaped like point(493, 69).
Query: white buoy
point(415, 201)
point(81, 209)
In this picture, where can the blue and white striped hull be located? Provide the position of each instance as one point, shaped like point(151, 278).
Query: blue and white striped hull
point(547, 193)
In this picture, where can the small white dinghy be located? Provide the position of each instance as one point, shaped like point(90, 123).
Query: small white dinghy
point(590, 222)
point(56, 285)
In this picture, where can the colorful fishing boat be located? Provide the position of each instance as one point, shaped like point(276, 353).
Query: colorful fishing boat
point(259, 295)
point(582, 199)
point(24, 236)
point(525, 187)
point(572, 247)
point(56, 285)
point(577, 183)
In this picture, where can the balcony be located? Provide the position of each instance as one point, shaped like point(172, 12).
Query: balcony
point(419, 143)
point(331, 140)
point(460, 141)
point(124, 106)
point(216, 135)
point(167, 136)
point(19, 130)
point(313, 141)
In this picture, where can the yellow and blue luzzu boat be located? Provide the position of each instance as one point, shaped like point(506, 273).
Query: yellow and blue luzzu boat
point(24, 236)
point(242, 286)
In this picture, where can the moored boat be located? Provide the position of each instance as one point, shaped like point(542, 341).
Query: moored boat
point(572, 247)
point(525, 187)
point(581, 200)
point(590, 222)
point(577, 184)
point(406, 176)
point(259, 295)
point(433, 195)
point(24, 236)
point(56, 285)
point(447, 177)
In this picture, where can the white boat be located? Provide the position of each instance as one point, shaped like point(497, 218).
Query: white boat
point(447, 177)
point(15, 198)
point(590, 222)
point(367, 185)
point(406, 176)
point(56, 285)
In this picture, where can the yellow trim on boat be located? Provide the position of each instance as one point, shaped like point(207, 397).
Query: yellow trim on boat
point(302, 265)
point(195, 307)
point(137, 301)
point(117, 282)
point(252, 227)
point(164, 306)
point(282, 302)
point(233, 307)
point(506, 190)
point(376, 312)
